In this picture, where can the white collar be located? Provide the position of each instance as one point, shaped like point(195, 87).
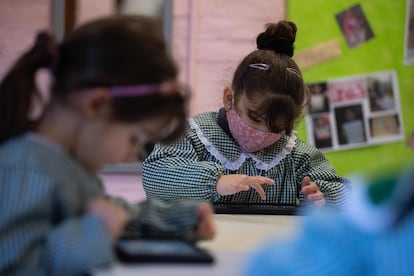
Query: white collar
point(234, 165)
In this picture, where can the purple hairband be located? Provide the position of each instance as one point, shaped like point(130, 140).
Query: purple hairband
point(140, 90)
point(260, 66)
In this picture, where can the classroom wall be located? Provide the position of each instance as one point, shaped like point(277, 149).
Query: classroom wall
point(20, 20)
point(316, 23)
point(210, 38)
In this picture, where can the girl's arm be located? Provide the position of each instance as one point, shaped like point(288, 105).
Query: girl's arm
point(177, 171)
point(181, 218)
point(311, 162)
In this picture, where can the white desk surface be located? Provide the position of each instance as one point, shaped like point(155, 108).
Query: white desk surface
point(237, 236)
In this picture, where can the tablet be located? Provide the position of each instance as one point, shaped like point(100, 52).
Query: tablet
point(161, 251)
point(256, 209)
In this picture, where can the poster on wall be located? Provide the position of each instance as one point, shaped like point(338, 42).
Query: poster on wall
point(354, 111)
point(354, 26)
point(409, 34)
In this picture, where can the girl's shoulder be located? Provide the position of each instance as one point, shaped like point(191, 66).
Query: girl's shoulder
point(306, 151)
point(302, 146)
point(18, 149)
point(206, 119)
point(206, 125)
point(30, 151)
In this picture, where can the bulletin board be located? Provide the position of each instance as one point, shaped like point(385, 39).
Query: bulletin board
point(384, 51)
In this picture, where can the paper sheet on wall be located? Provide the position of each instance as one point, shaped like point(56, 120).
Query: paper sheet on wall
point(355, 111)
point(318, 54)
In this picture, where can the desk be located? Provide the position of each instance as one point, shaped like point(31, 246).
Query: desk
point(237, 236)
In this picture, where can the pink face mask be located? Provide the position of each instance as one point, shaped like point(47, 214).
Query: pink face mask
point(250, 139)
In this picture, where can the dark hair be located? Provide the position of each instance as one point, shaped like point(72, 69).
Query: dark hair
point(279, 91)
point(113, 51)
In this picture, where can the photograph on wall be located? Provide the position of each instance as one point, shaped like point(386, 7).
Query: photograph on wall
point(409, 34)
point(354, 26)
point(354, 111)
point(380, 92)
point(319, 100)
point(322, 133)
point(350, 124)
point(384, 125)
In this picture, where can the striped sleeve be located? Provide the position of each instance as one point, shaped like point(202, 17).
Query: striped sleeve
point(76, 246)
point(155, 218)
point(176, 172)
point(32, 243)
point(312, 162)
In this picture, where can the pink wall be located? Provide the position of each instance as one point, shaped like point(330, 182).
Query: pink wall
point(90, 9)
point(210, 37)
point(19, 22)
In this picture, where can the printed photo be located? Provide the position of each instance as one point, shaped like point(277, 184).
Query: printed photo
point(409, 34)
point(354, 26)
point(322, 133)
point(384, 125)
point(319, 98)
point(380, 92)
point(350, 124)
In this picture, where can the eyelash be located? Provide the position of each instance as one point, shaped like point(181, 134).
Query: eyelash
point(255, 118)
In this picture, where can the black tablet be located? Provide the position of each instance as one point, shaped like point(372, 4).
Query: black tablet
point(161, 251)
point(257, 209)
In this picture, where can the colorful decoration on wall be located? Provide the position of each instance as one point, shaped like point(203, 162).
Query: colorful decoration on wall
point(355, 111)
point(354, 26)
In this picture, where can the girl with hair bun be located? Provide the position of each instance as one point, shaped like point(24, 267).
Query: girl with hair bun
point(248, 151)
point(112, 90)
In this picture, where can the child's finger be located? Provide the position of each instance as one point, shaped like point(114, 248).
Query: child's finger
point(259, 189)
point(266, 180)
point(306, 181)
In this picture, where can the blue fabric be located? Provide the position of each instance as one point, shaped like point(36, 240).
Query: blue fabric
point(332, 243)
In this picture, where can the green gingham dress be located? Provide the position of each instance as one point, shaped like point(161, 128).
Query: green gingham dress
point(190, 167)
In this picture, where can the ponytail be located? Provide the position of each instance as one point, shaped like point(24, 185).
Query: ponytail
point(18, 87)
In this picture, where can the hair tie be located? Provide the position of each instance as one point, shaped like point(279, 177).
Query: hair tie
point(141, 90)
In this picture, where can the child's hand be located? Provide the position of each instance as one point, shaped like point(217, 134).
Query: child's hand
point(234, 183)
point(206, 228)
point(312, 192)
point(112, 216)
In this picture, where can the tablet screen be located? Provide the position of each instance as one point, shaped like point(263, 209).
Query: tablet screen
point(161, 251)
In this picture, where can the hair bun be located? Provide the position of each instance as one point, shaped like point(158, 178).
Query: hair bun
point(278, 37)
